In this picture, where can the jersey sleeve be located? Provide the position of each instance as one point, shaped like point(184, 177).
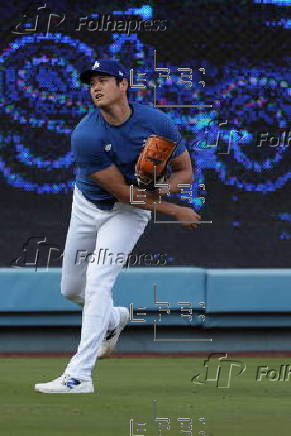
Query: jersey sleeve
point(93, 161)
point(89, 155)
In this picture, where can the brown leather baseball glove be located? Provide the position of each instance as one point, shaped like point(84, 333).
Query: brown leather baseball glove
point(153, 160)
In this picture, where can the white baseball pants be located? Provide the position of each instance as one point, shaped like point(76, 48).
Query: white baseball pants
point(88, 274)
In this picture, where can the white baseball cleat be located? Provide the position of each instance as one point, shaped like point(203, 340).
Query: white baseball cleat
point(112, 336)
point(65, 384)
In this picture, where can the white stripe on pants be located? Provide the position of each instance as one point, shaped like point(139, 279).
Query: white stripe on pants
point(88, 281)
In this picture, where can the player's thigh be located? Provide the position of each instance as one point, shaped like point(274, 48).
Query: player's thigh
point(121, 232)
point(115, 240)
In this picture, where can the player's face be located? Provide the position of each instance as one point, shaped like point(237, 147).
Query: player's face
point(104, 90)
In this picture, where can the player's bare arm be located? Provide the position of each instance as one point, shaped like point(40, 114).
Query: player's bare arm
point(112, 180)
point(182, 172)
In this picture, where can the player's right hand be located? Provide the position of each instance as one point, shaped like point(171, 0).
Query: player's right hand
point(187, 217)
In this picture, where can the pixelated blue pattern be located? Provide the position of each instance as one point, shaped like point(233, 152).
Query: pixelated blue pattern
point(40, 89)
point(145, 12)
point(274, 2)
point(43, 100)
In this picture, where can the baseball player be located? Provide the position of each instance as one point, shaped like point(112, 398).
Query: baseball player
point(105, 216)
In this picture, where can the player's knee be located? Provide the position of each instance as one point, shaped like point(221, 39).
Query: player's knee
point(71, 292)
point(68, 292)
point(72, 296)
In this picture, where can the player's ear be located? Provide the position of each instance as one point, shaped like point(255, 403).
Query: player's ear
point(125, 84)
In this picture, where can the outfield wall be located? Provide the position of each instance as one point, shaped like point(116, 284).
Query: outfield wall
point(172, 309)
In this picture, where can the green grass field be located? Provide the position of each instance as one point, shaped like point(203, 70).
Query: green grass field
point(126, 389)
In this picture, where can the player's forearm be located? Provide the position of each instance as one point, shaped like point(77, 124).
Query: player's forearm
point(148, 200)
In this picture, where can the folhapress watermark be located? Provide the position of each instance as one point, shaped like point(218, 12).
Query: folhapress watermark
point(221, 371)
point(280, 139)
point(281, 374)
point(104, 256)
point(38, 252)
point(44, 19)
point(108, 23)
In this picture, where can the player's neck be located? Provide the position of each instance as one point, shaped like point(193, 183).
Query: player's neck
point(116, 114)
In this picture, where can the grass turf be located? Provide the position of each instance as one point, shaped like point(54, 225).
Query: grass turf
point(126, 388)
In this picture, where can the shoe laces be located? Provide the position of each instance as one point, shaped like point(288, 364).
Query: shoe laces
point(70, 381)
point(65, 378)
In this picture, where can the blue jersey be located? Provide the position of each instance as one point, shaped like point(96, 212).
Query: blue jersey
point(97, 144)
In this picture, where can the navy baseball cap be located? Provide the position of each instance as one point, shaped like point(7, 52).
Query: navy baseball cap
point(113, 68)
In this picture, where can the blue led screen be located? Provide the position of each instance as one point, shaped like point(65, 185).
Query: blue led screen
point(220, 70)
